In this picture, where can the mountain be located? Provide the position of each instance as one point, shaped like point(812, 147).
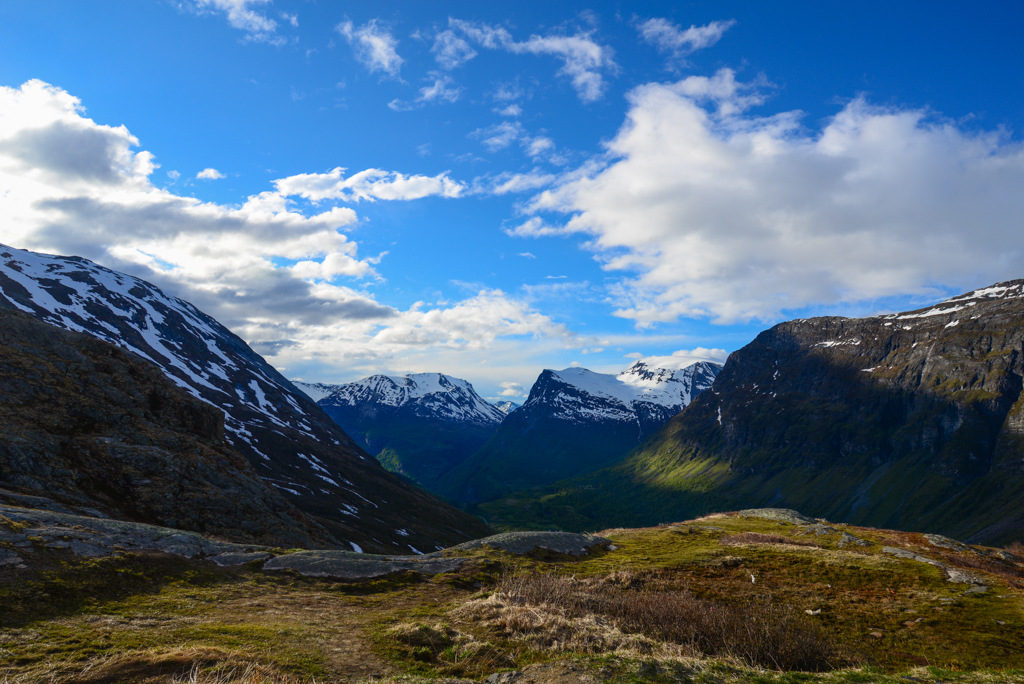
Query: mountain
point(912, 421)
point(420, 425)
point(575, 421)
point(283, 434)
point(96, 430)
point(507, 407)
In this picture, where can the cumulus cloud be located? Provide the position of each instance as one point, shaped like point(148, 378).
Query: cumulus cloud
point(512, 389)
point(373, 45)
point(292, 283)
point(583, 59)
point(210, 174)
point(669, 37)
point(258, 27)
point(371, 184)
point(724, 214)
point(451, 51)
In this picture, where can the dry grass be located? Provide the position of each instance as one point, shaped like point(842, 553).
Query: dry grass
point(158, 666)
point(248, 674)
point(1016, 548)
point(759, 538)
point(618, 613)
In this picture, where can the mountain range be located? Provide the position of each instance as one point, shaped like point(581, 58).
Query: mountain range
point(575, 421)
point(912, 420)
point(285, 438)
point(420, 425)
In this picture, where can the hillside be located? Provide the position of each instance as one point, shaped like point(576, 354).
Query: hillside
point(92, 427)
point(575, 421)
point(909, 420)
point(767, 596)
point(286, 438)
point(420, 425)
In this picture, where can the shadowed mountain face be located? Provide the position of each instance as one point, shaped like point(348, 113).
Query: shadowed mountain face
point(420, 425)
point(93, 427)
point(286, 438)
point(575, 421)
point(913, 421)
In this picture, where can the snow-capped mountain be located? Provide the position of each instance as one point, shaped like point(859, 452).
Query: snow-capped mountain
point(432, 394)
point(290, 442)
point(507, 407)
point(639, 393)
point(576, 421)
point(420, 425)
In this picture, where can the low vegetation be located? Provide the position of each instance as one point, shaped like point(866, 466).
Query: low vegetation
point(720, 599)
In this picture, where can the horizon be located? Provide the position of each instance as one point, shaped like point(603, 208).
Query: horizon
point(484, 192)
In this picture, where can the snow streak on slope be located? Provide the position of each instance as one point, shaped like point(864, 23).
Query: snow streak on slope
point(579, 394)
point(439, 395)
point(193, 349)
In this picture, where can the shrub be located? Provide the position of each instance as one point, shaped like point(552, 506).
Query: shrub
point(757, 632)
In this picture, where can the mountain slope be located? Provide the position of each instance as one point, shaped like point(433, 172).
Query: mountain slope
point(91, 426)
point(289, 441)
point(912, 421)
point(575, 421)
point(420, 425)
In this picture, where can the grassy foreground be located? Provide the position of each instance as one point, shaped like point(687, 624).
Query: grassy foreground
point(720, 599)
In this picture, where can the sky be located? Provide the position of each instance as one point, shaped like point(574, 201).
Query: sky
point(491, 189)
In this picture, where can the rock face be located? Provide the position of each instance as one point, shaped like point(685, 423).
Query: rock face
point(93, 427)
point(420, 425)
point(911, 421)
point(576, 421)
point(292, 445)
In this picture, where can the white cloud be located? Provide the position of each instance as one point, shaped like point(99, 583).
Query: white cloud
point(511, 110)
point(292, 19)
point(732, 216)
point(535, 227)
point(210, 174)
point(440, 89)
point(373, 45)
point(450, 51)
point(683, 358)
point(269, 272)
point(512, 389)
point(505, 183)
point(501, 135)
point(669, 37)
point(371, 184)
point(173, 175)
point(527, 255)
point(583, 60)
point(257, 26)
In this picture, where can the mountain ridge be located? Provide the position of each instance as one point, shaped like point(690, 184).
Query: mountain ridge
point(574, 421)
point(911, 420)
point(419, 425)
point(290, 442)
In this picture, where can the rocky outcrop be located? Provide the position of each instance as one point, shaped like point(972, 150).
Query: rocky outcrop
point(89, 426)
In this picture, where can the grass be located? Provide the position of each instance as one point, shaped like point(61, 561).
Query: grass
point(717, 599)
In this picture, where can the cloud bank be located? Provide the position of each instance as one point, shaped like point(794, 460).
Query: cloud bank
point(724, 214)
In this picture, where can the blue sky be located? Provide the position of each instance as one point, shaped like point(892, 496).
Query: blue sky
point(489, 189)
